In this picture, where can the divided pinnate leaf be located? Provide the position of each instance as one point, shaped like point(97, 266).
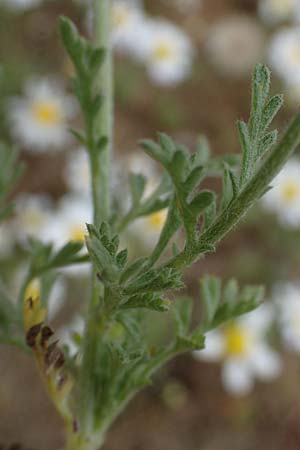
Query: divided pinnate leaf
point(221, 305)
point(254, 137)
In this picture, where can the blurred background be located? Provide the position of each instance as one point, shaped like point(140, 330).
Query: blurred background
point(183, 67)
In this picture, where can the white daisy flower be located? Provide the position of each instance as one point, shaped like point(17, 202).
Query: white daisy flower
point(242, 347)
point(139, 162)
point(284, 198)
point(69, 221)
point(67, 224)
point(39, 118)
point(77, 173)
point(234, 44)
point(284, 54)
point(19, 5)
point(146, 230)
point(166, 51)
point(273, 12)
point(127, 21)
point(33, 213)
point(287, 299)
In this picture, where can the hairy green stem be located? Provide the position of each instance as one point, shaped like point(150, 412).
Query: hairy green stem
point(250, 193)
point(87, 438)
point(101, 159)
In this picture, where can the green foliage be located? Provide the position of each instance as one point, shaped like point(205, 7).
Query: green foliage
point(222, 305)
point(255, 138)
point(116, 355)
point(87, 62)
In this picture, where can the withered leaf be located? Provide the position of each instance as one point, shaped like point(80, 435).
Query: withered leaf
point(54, 356)
point(46, 335)
point(32, 334)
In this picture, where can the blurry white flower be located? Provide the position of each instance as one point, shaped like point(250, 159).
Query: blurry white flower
point(139, 162)
point(242, 347)
point(146, 230)
point(273, 12)
point(56, 298)
point(21, 4)
point(284, 54)
point(33, 213)
point(77, 173)
point(284, 198)
point(235, 44)
point(39, 119)
point(127, 20)
point(166, 50)
point(68, 223)
point(71, 334)
point(287, 299)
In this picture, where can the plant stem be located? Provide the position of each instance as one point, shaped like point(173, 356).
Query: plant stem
point(101, 159)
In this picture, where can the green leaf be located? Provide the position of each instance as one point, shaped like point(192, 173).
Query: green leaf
point(211, 295)
point(172, 224)
point(69, 35)
point(201, 202)
point(66, 254)
point(231, 291)
point(148, 301)
point(167, 145)
point(132, 269)
point(193, 179)
point(246, 145)
point(267, 142)
point(221, 305)
point(230, 186)
point(155, 281)
point(270, 111)
point(154, 150)
point(182, 311)
point(203, 151)
point(121, 258)
point(261, 80)
point(137, 187)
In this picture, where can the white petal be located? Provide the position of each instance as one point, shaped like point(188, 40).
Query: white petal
point(260, 319)
point(56, 299)
point(265, 362)
point(214, 347)
point(237, 377)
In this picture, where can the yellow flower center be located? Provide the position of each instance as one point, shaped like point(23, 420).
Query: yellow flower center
point(157, 220)
point(77, 234)
point(47, 112)
point(33, 290)
point(163, 51)
point(289, 191)
point(120, 16)
point(237, 340)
